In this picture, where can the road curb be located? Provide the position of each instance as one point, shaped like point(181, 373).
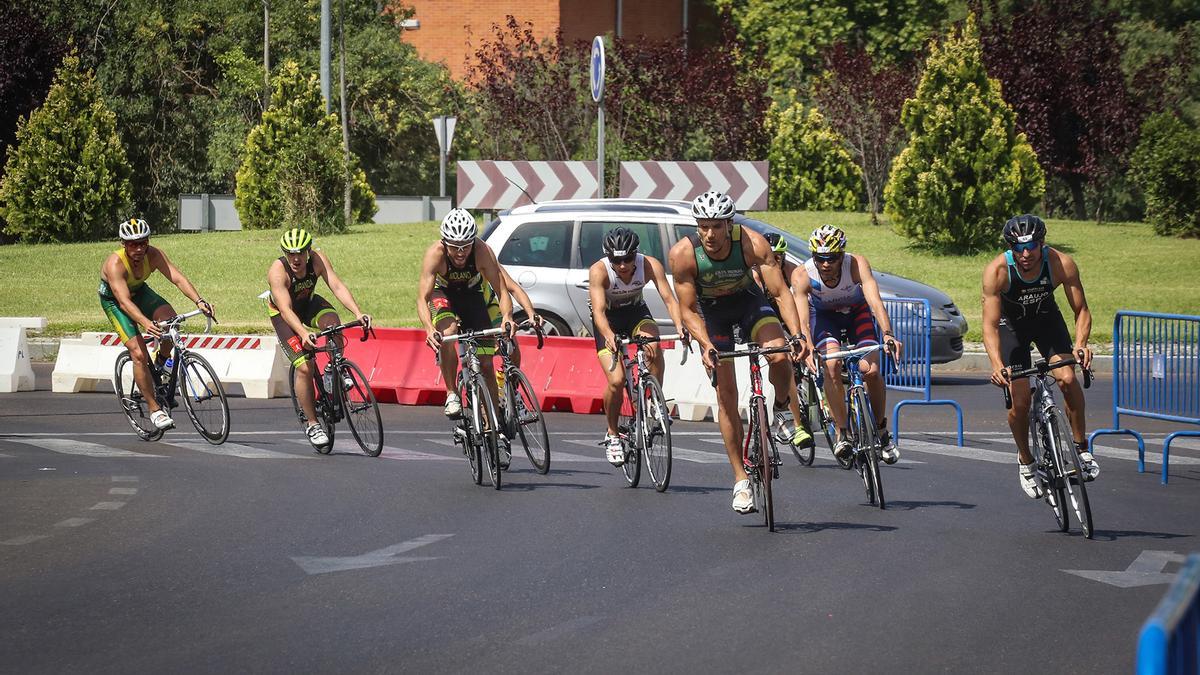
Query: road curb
point(978, 362)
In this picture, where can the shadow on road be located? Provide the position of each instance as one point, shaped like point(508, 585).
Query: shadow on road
point(912, 506)
point(820, 527)
point(1113, 535)
point(530, 487)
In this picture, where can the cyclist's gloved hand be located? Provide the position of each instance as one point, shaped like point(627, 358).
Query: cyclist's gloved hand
point(1083, 354)
point(1000, 377)
point(151, 328)
point(206, 307)
point(538, 321)
point(709, 353)
point(434, 340)
point(366, 321)
point(310, 339)
point(895, 346)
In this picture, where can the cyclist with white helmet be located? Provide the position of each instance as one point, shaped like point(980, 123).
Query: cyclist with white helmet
point(1019, 311)
point(298, 313)
point(130, 303)
point(462, 286)
point(718, 296)
point(845, 299)
point(615, 284)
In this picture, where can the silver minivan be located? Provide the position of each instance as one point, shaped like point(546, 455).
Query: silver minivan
point(549, 247)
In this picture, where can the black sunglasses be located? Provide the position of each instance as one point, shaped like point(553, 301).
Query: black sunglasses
point(828, 258)
point(627, 259)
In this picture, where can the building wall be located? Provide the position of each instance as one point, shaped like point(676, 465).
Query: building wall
point(450, 32)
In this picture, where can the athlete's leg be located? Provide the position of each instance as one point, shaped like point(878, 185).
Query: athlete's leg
point(654, 353)
point(448, 325)
point(729, 418)
point(140, 361)
point(162, 313)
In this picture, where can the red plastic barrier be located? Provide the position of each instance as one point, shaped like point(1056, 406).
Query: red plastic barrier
point(576, 381)
point(402, 370)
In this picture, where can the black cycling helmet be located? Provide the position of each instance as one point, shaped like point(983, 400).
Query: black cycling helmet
point(1023, 229)
point(620, 242)
point(776, 241)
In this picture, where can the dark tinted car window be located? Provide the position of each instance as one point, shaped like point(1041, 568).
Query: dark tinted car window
point(591, 239)
point(538, 245)
point(683, 231)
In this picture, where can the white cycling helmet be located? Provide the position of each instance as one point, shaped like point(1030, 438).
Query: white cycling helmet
point(134, 229)
point(713, 205)
point(458, 225)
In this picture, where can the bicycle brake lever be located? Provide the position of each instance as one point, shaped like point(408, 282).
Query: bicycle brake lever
point(1007, 398)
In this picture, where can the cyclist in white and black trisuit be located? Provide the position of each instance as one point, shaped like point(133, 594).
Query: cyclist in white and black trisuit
point(615, 284)
point(1018, 311)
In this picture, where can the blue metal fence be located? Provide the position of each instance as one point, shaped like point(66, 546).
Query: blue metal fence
point(912, 324)
point(1156, 374)
point(1169, 643)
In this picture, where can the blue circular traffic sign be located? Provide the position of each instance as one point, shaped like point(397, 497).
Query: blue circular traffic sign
point(597, 69)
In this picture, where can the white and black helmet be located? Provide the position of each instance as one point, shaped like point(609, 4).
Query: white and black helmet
point(713, 205)
point(458, 225)
point(134, 229)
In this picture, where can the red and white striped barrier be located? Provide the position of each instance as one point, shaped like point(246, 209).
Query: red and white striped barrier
point(503, 185)
point(255, 362)
point(745, 182)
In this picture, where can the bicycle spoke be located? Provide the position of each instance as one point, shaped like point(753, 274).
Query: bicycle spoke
point(204, 398)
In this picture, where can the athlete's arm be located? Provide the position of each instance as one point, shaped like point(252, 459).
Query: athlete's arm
point(160, 262)
point(114, 274)
point(1063, 267)
point(862, 270)
point(800, 290)
point(324, 268)
point(521, 296)
point(489, 267)
point(683, 267)
point(429, 270)
point(994, 279)
point(597, 284)
point(658, 275)
point(281, 295)
point(758, 252)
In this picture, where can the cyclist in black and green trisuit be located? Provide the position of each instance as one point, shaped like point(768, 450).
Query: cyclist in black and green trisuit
point(298, 313)
point(130, 304)
point(717, 294)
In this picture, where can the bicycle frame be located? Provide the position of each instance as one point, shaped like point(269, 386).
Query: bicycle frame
point(172, 334)
point(336, 358)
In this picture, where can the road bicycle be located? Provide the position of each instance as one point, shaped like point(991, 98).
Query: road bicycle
point(863, 432)
point(1051, 445)
point(520, 414)
point(815, 413)
point(760, 457)
point(183, 373)
point(646, 432)
point(342, 393)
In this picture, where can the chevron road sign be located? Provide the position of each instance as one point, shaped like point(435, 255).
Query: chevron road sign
point(745, 182)
point(498, 185)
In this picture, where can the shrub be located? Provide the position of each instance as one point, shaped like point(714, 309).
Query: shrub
point(1166, 166)
point(810, 167)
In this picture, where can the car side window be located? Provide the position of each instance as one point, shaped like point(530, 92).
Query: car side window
point(683, 231)
point(538, 245)
point(591, 239)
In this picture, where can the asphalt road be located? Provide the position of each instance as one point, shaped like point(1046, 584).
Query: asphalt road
point(259, 555)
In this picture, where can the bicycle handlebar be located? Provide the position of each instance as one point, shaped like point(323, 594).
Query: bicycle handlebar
point(166, 324)
point(1041, 367)
point(751, 349)
point(642, 340)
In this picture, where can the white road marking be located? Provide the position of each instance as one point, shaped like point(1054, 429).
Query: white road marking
point(106, 506)
point(389, 555)
point(995, 456)
point(559, 630)
point(21, 541)
point(122, 491)
point(1145, 570)
point(698, 456)
point(83, 448)
point(125, 479)
point(74, 522)
point(404, 453)
point(236, 450)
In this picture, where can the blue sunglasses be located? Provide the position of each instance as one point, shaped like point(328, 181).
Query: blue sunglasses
point(1026, 246)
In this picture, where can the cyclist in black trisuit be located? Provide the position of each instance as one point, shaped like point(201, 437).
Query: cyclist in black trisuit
point(1019, 310)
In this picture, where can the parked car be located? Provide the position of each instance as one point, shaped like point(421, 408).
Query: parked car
point(549, 247)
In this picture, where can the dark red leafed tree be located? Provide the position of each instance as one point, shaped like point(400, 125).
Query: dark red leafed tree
point(862, 102)
point(28, 56)
point(1059, 64)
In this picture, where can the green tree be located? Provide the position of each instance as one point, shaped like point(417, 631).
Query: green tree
point(966, 168)
point(293, 171)
point(810, 167)
point(67, 179)
point(1166, 166)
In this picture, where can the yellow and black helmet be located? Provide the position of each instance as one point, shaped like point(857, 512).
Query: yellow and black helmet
point(827, 240)
point(295, 240)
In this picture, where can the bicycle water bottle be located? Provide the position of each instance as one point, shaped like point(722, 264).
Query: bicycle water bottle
point(166, 368)
point(328, 378)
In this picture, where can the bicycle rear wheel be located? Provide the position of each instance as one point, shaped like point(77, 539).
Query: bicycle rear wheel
point(807, 401)
point(486, 421)
point(204, 398)
point(527, 419)
point(630, 428)
point(133, 403)
point(762, 451)
point(362, 410)
point(828, 426)
point(323, 417)
point(1073, 483)
point(466, 423)
point(656, 431)
point(1051, 470)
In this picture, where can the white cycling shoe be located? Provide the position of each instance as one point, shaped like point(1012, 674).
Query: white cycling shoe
point(1090, 468)
point(317, 435)
point(743, 497)
point(161, 420)
point(453, 407)
point(1030, 483)
point(614, 450)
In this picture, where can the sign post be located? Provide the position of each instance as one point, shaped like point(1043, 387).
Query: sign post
point(443, 127)
point(597, 80)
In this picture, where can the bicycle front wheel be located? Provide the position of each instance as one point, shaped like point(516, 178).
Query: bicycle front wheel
point(487, 430)
point(1073, 485)
point(867, 447)
point(762, 450)
point(527, 419)
point(323, 418)
point(630, 428)
point(133, 402)
point(809, 410)
point(204, 398)
point(362, 411)
point(656, 431)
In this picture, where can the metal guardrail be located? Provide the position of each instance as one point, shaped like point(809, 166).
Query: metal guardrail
point(216, 212)
point(912, 324)
point(1156, 375)
point(1169, 643)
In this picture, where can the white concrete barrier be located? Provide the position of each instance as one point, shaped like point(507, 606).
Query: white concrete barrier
point(692, 391)
point(16, 371)
point(253, 361)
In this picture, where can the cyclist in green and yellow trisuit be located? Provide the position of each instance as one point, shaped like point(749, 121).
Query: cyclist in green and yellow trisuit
point(131, 304)
point(298, 314)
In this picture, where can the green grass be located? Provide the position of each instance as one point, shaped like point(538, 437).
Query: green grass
point(1124, 266)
